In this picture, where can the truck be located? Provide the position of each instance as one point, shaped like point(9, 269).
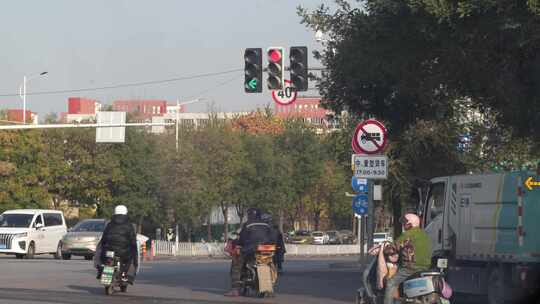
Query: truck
point(488, 227)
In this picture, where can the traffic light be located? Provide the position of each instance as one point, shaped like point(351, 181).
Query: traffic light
point(275, 68)
point(253, 70)
point(299, 67)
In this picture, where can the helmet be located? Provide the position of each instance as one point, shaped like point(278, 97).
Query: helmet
point(120, 210)
point(267, 218)
point(253, 213)
point(410, 220)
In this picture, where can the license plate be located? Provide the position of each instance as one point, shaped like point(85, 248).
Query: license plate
point(444, 301)
point(106, 275)
point(3, 246)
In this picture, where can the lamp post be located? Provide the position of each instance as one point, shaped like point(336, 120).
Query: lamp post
point(22, 91)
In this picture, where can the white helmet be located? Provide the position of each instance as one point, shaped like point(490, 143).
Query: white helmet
point(120, 210)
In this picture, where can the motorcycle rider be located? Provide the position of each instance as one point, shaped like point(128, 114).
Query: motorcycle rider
point(414, 247)
point(254, 232)
point(119, 236)
point(280, 244)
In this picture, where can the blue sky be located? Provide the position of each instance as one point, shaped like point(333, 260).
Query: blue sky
point(98, 43)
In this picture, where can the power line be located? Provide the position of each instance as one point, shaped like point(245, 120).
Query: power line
point(135, 84)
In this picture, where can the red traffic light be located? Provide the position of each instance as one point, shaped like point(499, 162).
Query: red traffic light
point(274, 55)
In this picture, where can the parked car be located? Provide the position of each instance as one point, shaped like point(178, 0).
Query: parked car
point(319, 238)
point(28, 232)
point(301, 237)
point(346, 236)
point(83, 238)
point(333, 237)
point(379, 237)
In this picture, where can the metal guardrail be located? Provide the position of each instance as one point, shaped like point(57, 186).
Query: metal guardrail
point(164, 248)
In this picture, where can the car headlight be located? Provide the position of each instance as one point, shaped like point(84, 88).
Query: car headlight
point(20, 235)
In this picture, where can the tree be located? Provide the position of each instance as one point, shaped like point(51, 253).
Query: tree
point(417, 57)
point(304, 149)
point(139, 167)
point(327, 198)
point(23, 170)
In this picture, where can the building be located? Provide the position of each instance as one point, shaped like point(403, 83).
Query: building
point(309, 109)
point(144, 109)
point(16, 115)
point(81, 109)
point(193, 120)
point(172, 109)
point(81, 105)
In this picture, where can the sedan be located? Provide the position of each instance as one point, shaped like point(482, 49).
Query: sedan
point(83, 239)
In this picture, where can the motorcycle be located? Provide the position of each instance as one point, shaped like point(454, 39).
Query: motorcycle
point(259, 275)
point(111, 276)
point(425, 287)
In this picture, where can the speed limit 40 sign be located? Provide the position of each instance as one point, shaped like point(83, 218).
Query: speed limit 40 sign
point(286, 96)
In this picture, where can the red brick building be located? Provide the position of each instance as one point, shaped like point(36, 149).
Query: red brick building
point(81, 105)
point(16, 115)
point(308, 108)
point(142, 108)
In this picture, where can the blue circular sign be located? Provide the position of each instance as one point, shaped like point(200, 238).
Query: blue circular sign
point(359, 185)
point(360, 204)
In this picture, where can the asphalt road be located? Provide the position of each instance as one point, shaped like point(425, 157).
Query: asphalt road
point(45, 280)
point(199, 281)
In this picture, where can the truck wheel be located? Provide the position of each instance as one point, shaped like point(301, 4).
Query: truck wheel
point(495, 287)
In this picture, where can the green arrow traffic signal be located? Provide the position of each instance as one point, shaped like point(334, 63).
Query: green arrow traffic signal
point(253, 83)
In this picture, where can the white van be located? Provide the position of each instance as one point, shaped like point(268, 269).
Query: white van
point(28, 232)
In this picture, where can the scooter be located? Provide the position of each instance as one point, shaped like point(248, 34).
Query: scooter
point(111, 277)
point(426, 287)
point(259, 275)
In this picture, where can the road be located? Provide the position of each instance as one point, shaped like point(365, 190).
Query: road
point(200, 281)
point(45, 280)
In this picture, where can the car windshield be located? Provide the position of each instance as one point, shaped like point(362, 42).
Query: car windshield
point(317, 234)
point(16, 220)
point(332, 233)
point(89, 226)
point(379, 236)
point(302, 233)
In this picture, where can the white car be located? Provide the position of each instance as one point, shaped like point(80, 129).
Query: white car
point(319, 238)
point(379, 237)
point(28, 232)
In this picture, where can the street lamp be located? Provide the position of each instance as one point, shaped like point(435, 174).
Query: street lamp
point(22, 91)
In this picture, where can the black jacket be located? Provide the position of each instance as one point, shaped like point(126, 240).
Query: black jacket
point(119, 236)
point(253, 234)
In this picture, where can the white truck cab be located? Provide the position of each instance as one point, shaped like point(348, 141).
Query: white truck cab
point(28, 232)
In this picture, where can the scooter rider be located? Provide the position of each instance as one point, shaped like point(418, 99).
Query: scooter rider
point(254, 232)
point(119, 236)
point(414, 247)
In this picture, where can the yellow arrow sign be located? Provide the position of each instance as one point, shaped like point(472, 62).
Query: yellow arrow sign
point(530, 183)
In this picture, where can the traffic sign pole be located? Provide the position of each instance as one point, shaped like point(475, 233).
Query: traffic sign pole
point(360, 238)
point(371, 213)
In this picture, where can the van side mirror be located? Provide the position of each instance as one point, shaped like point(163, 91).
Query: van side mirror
point(39, 225)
